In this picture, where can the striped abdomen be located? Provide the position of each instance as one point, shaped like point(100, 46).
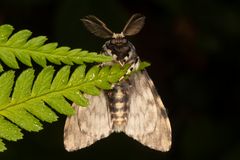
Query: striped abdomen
point(118, 105)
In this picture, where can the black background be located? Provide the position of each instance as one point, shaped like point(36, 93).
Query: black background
point(193, 47)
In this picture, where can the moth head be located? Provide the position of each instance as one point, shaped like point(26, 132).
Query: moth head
point(118, 39)
point(118, 46)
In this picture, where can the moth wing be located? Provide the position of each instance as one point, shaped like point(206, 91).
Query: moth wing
point(148, 122)
point(97, 27)
point(88, 124)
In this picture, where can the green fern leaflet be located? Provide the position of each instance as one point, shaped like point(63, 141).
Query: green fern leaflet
point(19, 46)
point(30, 99)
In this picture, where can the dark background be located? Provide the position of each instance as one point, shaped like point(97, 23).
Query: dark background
point(193, 48)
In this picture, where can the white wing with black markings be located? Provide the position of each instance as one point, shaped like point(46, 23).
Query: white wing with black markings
point(88, 124)
point(148, 122)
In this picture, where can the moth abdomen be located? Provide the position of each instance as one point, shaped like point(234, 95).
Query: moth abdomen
point(118, 106)
point(119, 120)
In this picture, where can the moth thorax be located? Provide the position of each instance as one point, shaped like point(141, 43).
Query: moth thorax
point(118, 48)
point(119, 107)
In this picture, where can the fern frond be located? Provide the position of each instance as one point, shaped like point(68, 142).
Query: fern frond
point(143, 65)
point(1, 68)
point(2, 146)
point(31, 99)
point(20, 46)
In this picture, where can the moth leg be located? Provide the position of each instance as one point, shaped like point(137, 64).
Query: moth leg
point(134, 66)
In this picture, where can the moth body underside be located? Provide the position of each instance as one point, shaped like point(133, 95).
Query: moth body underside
point(132, 106)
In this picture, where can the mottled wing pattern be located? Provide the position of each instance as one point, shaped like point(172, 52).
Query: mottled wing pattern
point(148, 122)
point(88, 124)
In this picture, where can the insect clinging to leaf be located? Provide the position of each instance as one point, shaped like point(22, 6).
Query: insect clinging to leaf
point(132, 106)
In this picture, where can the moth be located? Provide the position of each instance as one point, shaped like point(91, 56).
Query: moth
point(132, 106)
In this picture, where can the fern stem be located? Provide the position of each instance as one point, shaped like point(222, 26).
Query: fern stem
point(48, 94)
